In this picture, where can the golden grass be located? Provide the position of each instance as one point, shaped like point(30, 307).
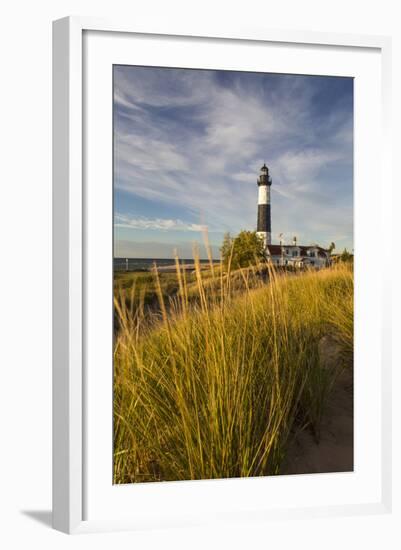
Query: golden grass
point(212, 386)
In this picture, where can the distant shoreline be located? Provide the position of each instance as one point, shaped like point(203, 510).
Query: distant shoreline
point(118, 258)
point(163, 264)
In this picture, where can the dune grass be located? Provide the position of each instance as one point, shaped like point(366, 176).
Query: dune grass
point(213, 387)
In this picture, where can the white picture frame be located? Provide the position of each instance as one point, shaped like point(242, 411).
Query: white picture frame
point(70, 284)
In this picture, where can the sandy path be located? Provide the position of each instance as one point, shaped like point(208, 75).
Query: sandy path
point(335, 450)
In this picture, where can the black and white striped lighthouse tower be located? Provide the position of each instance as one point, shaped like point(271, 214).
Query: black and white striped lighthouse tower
point(264, 216)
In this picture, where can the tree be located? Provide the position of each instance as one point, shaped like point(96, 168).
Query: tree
point(331, 247)
point(346, 256)
point(226, 247)
point(245, 249)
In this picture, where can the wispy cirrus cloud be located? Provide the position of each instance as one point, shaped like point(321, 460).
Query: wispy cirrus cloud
point(162, 224)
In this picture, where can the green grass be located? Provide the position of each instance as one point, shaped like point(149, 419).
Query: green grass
point(140, 289)
point(213, 387)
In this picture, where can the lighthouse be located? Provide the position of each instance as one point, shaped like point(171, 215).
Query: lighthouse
point(264, 216)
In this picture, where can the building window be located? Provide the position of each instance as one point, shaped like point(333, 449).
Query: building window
point(294, 253)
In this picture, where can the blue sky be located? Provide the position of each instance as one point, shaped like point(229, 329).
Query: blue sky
point(188, 146)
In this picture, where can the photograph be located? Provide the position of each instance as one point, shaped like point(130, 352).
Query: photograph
point(233, 287)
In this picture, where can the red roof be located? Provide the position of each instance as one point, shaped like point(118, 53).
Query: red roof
point(275, 249)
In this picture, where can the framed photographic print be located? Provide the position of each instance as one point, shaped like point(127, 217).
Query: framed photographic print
point(219, 325)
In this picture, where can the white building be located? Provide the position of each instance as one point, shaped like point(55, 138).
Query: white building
point(298, 256)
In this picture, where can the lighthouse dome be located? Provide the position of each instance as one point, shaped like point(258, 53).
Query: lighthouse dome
point(264, 169)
